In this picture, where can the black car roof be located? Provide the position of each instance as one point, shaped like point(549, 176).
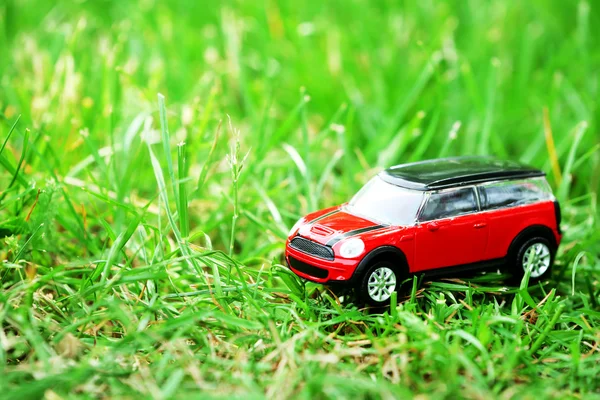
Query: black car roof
point(457, 171)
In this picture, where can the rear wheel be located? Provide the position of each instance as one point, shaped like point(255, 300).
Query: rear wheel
point(536, 254)
point(378, 283)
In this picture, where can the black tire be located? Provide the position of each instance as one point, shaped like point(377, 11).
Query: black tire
point(378, 270)
point(535, 247)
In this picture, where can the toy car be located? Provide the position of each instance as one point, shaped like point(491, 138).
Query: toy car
point(436, 217)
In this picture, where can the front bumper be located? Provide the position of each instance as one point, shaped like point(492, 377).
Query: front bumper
point(319, 270)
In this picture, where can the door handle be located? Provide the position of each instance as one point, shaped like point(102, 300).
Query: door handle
point(480, 225)
point(433, 226)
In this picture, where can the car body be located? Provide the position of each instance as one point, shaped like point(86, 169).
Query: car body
point(436, 217)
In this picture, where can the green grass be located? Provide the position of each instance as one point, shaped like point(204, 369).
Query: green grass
point(155, 155)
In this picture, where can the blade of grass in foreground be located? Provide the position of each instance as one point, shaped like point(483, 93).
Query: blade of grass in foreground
point(185, 251)
point(166, 139)
point(183, 201)
point(120, 244)
point(19, 164)
point(6, 164)
point(11, 130)
point(235, 164)
point(165, 200)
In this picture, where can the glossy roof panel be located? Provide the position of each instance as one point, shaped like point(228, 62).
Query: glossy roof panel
point(457, 171)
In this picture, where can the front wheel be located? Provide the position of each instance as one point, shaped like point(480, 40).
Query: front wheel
point(378, 283)
point(536, 254)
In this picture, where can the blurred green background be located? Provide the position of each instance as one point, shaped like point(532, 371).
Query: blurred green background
point(146, 260)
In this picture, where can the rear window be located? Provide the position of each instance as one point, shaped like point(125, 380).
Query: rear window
point(513, 193)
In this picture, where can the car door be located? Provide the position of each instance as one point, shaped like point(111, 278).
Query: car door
point(451, 230)
point(510, 206)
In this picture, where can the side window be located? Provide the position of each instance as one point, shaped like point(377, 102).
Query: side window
point(447, 204)
point(513, 193)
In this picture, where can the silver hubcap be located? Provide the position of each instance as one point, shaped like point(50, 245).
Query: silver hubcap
point(381, 284)
point(536, 257)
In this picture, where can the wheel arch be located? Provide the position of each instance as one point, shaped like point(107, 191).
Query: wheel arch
point(389, 253)
point(531, 232)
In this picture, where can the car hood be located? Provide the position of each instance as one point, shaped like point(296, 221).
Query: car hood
point(338, 224)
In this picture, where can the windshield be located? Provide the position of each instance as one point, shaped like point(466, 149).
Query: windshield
point(384, 202)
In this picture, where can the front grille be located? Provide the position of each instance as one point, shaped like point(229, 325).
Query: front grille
point(312, 248)
point(307, 268)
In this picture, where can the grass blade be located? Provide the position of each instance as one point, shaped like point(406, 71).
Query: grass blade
point(567, 171)
point(10, 131)
point(166, 139)
point(183, 201)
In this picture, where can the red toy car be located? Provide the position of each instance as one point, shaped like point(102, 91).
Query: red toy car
point(437, 217)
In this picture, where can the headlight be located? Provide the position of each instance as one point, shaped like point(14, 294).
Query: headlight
point(352, 248)
point(296, 226)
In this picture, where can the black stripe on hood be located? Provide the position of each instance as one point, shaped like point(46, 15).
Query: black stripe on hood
point(355, 232)
point(324, 216)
